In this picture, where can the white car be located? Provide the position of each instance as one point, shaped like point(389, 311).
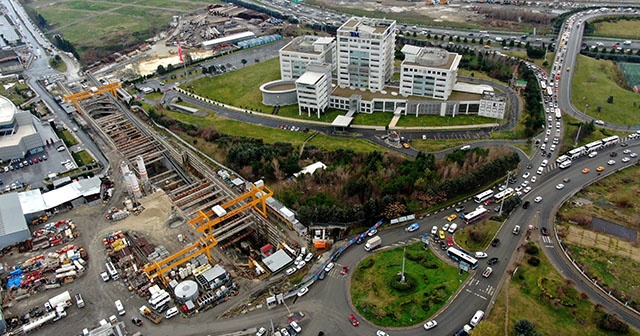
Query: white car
point(534, 179)
point(445, 227)
point(518, 188)
point(544, 163)
point(301, 265)
point(291, 270)
point(329, 267)
point(540, 170)
point(593, 154)
point(525, 183)
point(430, 325)
point(559, 186)
point(633, 155)
point(294, 325)
point(626, 151)
point(480, 255)
point(381, 333)
point(625, 159)
point(526, 190)
point(611, 162)
point(525, 175)
point(303, 291)
point(548, 132)
point(538, 199)
point(434, 230)
point(372, 233)
point(308, 257)
point(262, 331)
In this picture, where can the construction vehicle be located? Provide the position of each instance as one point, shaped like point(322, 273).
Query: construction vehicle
point(153, 317)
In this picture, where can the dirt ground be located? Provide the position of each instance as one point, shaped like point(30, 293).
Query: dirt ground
point(580, 236)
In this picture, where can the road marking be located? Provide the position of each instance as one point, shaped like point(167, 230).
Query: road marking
point(546, 239)
point(476, 294)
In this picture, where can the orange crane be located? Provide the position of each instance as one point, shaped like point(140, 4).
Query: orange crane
point(203, 224)
point(74, 98)
point(258, 195)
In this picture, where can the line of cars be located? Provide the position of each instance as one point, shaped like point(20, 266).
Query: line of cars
point(291, 329)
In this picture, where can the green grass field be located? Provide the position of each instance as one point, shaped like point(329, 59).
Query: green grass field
point(435, 120)
point(623, 29)
point(82, 158)
point(386, 306)
point(526, 300)
point(593, 83)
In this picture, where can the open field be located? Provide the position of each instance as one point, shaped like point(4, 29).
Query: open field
point(614, 199)
point(593, 82)
point(485, 230)
point(527, 297)
point(112, 23)
point(434, 283)
point(623, 29)
point(435, 120)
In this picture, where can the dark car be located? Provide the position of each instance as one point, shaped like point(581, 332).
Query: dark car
point(544, 231)
point(443, 245)
point(322, 275)
point(549, 155)
point(495, 242)
point(613, 154)
point(566, 180)
point(136, 321)
point(493, 261)
point(525, 204)
point(624, 144)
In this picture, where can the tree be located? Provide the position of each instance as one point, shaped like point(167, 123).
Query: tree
point(525, 328)
point(161, 70)
point(244, 62)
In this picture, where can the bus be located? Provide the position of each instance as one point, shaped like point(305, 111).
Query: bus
point(503, 195)
point(593, 146)
point(558, 114)
point(475, 215)
point(461, 257)
point(483, 196)
point(112, 271)
point(576, 152)
point(612, 140)
point(561, 159)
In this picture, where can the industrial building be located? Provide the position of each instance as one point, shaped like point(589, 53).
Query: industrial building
point(13, 226)
point(18, 132)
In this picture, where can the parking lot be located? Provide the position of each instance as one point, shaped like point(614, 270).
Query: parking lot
point(38, 167)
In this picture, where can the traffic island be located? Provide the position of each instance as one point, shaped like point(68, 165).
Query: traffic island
point(381, 296)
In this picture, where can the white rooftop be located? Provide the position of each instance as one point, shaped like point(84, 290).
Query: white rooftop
point(32, 201)
point(310, 169)
point(309, 78)
point(342, 121)
point(7, 110)
point(471, 88)
point(229, 38)
point(277, 260)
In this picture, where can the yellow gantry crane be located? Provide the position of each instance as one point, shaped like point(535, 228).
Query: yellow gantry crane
point(74, 98)
point(203, 223)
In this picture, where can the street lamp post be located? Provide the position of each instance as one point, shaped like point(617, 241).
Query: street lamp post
point(402, 278)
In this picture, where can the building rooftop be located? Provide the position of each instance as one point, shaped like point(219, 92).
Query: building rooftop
point(477, 89)
point(308, 44)
point(309, 78)
point(429, 57)
point(368, 95)
point(377, 26)
point(7, 110)
point(11, 216)
point(277, 260)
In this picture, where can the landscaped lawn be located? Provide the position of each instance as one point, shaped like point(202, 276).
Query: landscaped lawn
point(434, 120)
point(67, 137)
point(593, 82)
point(383, 305)
point(629, 29)
point(485, 230)
point(567, 312)
point(82, 158)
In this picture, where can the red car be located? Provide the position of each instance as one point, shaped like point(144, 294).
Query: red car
point(344, 270)
point(449, 241)
point(487, 202)
point(353, 320)
point(544, 231)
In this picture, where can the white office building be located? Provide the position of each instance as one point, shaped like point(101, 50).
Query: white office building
point(492, 105)
point(313, 89)
point(365, 53)
point(428, 72)
point(296, 56)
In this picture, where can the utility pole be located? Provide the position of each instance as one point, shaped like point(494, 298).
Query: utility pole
point(402, 278)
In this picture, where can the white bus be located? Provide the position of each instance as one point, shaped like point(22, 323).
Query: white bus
point(460, 256)
point(112, 271)
point(475, 215)
point(576, 152)
point(612, 140)
point(593, 146)
point(562, 159)
point(483, 196)
point(558, 114)
point(503, 195)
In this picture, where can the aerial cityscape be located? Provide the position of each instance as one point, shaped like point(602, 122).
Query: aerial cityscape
point(319, 167)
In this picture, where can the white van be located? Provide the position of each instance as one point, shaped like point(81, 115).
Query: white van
point(477, 317)
point(173, 311)
point(453, 228)
point(120, 307)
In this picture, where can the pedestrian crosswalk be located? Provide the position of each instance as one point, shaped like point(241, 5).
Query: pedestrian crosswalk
point(547, 241)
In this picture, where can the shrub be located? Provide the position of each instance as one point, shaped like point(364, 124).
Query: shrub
point(409, 284)
point(610, 322)
point(531, 248)
point(533, 261)
point(367, 263)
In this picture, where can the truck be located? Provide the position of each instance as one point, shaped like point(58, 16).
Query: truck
point(63, 299)
point(373, 243)
point(153, 317)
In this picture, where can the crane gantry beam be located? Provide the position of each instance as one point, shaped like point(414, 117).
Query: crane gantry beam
point(74, 98)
